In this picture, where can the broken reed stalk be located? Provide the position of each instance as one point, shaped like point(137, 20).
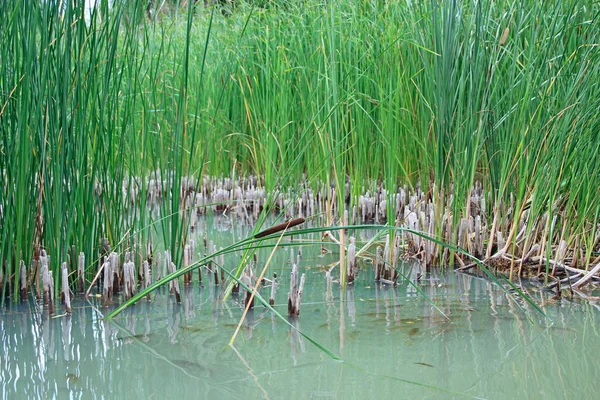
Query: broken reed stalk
point(187, 260)
point(378, 263)
point(51, 292)
point(215, 267)
point(295, 294)
point(386, 259)
point(222, 263)
point(293, 290)
point(133, 278)
point(47, 282)
point(587, 276)
point(147, 277)
point(66, 292)
point(299, 296)
point(46, 287)
point(113, 259)
point(23, 280)
point(395, 256)
point(129, 279)
point(106, 287)
point(352, 269)
point(273, 289)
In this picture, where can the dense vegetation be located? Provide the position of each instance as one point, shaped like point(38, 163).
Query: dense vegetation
point(436, 94)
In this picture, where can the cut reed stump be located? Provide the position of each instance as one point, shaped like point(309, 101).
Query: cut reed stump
point(295, 294)
point(378, 263)
point(114, 269)
point(51, 291)
point(81, 272)
point(222, 263)
point(187, 260)
point(106, 283)
point(129, 279)
point(147, 277)
point(48, 284)
point(352, 270)
point(47, 281)
point(23, 280)
point(387, 255)
point(273, 289)
point(65, 292)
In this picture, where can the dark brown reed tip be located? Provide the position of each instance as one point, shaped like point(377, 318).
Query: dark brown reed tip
point(280, 227)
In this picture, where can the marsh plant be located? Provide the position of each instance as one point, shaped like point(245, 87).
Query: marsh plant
point(474, 122)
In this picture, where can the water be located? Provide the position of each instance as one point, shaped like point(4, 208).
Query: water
point(392, 340)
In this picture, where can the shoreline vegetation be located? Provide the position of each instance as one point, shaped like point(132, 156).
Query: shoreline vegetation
point(474, 124)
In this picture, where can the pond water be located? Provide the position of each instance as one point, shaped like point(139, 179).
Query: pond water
point(392, 340)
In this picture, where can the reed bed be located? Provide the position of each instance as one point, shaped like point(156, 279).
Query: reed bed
point(476, 124)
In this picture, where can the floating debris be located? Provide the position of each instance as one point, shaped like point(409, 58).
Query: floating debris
point(424, 364)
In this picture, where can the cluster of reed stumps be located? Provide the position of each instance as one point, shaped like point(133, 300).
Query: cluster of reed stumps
point(121, 277)
point(519, 249)
point(251, 281)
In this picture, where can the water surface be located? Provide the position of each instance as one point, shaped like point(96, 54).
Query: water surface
point(392, 340)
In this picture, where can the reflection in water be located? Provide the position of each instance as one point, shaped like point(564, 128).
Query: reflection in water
point(487, 348)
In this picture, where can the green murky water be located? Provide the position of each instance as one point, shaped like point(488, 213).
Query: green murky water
point(394, 343)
